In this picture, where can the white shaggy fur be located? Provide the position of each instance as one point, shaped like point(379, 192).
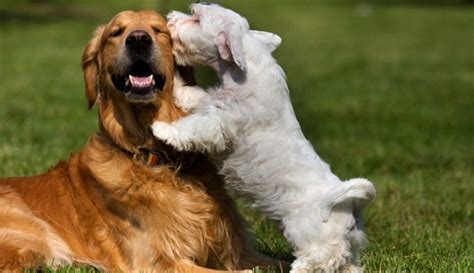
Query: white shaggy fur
point(249, 126)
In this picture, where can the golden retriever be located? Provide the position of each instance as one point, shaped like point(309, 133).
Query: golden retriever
point(125, 202)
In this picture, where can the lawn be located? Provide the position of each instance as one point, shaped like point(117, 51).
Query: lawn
point(384, 92)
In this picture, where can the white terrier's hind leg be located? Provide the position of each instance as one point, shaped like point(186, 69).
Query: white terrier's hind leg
point(359, 190)
point(316, 261)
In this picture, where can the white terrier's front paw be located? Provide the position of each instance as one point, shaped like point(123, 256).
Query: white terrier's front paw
point(161, 130)
point(165, 132)
point(171, 136)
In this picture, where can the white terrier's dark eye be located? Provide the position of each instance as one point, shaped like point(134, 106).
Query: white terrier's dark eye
point(353, 227)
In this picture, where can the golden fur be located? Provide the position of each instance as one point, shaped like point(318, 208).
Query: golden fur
point(104, 206)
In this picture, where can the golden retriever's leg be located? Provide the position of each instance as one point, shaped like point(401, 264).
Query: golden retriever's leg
point(21, 243)
point(15, 258)
point(26, 240)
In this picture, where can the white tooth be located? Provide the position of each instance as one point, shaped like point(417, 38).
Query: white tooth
point(141, 83)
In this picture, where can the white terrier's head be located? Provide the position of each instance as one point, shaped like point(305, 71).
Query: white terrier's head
point(213, 33)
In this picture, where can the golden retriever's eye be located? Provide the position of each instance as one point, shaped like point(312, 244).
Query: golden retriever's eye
point(117, 32)
point(156, 30)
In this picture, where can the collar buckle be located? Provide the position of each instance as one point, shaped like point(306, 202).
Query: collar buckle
point(153, 157)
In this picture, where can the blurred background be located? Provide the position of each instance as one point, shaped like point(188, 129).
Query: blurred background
point(384, 89)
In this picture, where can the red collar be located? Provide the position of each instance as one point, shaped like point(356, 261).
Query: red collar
point(153, 157)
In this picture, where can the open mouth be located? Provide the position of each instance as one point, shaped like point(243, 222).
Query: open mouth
point(141, 83)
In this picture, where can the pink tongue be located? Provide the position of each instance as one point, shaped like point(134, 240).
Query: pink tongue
point(141, 82)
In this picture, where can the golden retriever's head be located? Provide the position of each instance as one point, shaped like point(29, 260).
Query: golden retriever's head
point(129, 58)
point(128, 70)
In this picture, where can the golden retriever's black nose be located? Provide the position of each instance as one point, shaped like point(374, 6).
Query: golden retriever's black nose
point(138, 40)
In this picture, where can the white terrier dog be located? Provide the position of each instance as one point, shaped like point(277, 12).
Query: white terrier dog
point(249, 126)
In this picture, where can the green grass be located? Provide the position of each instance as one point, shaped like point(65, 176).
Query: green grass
point(384, 92)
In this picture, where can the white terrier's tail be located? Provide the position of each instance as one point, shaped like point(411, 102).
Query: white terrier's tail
point(359, 191)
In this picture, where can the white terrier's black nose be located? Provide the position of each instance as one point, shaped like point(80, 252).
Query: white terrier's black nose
point(138, 40)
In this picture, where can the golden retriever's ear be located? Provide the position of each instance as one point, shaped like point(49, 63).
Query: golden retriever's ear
point(90, 66)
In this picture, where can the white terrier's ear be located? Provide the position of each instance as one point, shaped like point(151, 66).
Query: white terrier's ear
point(358, 191)
point(229, 44)
point(271, 40)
